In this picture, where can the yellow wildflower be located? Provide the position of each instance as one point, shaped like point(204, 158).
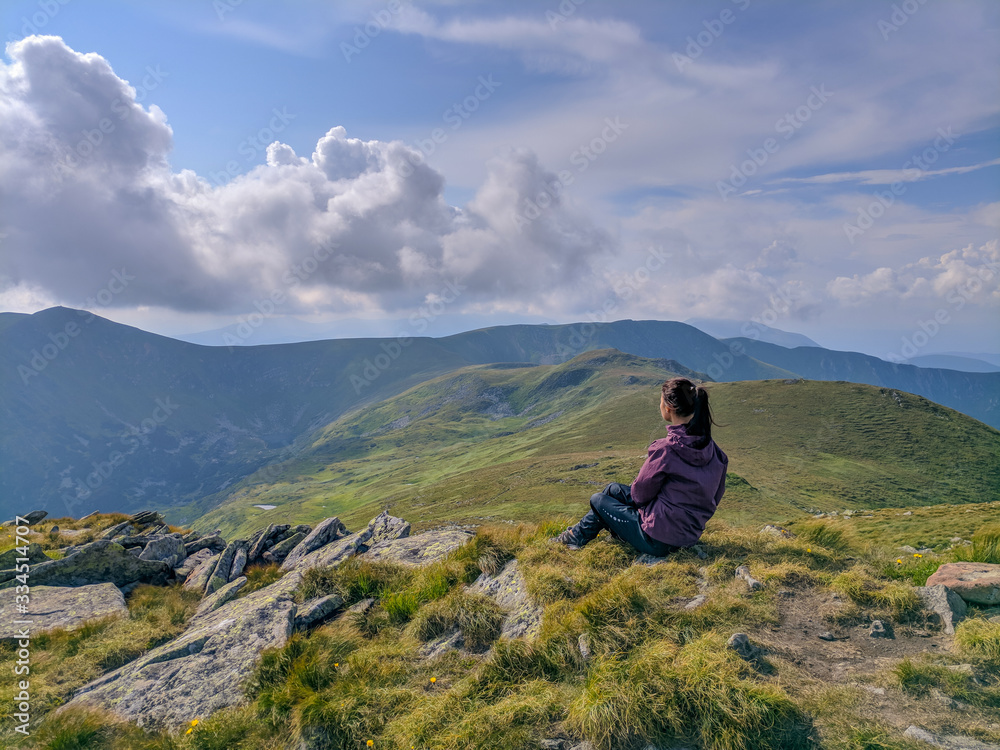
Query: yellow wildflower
point(917, 555)
point(899, 560)
point(434, 679)
point(370, 743)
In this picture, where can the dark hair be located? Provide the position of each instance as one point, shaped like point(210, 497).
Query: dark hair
point(685, 398)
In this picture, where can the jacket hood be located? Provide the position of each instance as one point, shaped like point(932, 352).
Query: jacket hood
point(684, 444)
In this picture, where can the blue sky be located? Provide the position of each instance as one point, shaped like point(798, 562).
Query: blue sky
point(740, 147)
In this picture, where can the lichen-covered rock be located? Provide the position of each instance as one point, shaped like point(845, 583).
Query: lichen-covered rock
point(421, 549)
point(68, 607)
point(945, 603)
point(102, 561)
point(220, 576)
point(333, 553)
point(198, 578)
point(36, 554)
point(212, 542)
point(384, 528)
point(279, 551)
point(220, 597)
point(976, 583)
point(169, 549)
point(324, 533)
point(263, 540)
point(316, 610)
point(239, 563)
point(115, 530)
point(146, 518)
point(182, 571)
point(201, 671)
point(507, 588)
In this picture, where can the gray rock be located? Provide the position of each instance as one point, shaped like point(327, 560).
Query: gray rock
point(220, 576)
point(696, 602)
point(744, 572)
point(169, 549)
point(977, 583)
point(68, 607)
point(102, 561)
point(316, 610)
point(260, 541)
point(54, 529)
point(945, 603)
point(583, 643)
point(115, 530)
point(220, 597)
point(146, 518)
point(334, 553)
point(741, 644)
point(34, 516)
point(777, 531)
point(947, 741)
point(279, 551)
point(420, 549)
point(201, 671)
point(386, 528)
point(92, 513)
point(197, 579)
point(212, 542)
point(507, 588)
point(878, 630)
point(182, 571)
point(324, 533)
point(239, 563)
point(451, 639)
point(36, 554)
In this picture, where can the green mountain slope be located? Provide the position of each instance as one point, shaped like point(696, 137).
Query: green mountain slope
point(486, 444)
point(975, 393)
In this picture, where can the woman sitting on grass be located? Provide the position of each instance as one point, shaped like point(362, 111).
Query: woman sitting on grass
point(677, 489)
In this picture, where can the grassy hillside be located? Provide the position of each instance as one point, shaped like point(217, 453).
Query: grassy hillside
point(975, 393)
point(532, 443)
point(621, 658)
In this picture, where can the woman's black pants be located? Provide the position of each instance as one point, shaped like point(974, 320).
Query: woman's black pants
point(613, 509)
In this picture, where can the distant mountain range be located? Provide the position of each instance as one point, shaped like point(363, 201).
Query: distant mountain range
point(102, 415)
point(723, 328)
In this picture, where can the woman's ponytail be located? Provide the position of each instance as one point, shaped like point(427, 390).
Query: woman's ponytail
point(687, 398)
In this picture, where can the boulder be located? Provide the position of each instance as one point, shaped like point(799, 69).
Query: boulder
point(742, 645)
point(212, 542)
point(169, 549)
point(507, 589)
point(54, 607)
point(945, 603)
point(239, 563)
point(279, 551)
point(976, 583)
point(115, 530)
point(35, 555)
point(220, 576)
point(220, 597)
point(35, 516)
point(201, 671)
point(182, 571)
point(324, 533)
point(385, 527)
point(777, 531)
point(102, 561)
point(420, 549)
point(260, 541)
point(146, 518)
point(316, 610)
point(197, 579)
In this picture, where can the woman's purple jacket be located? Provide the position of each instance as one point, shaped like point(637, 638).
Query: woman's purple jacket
point(679, 487)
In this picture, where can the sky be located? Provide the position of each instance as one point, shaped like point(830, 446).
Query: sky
point(829, 168)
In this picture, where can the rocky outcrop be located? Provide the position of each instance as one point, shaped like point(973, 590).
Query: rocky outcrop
point(947, 741)
point(182, 571)
point(201, 671)
point(976, 583)
point(507, 588)
point(212, 542)
point(98, 562)
point(205, 668)
point(220, 575)
point(54, 607)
